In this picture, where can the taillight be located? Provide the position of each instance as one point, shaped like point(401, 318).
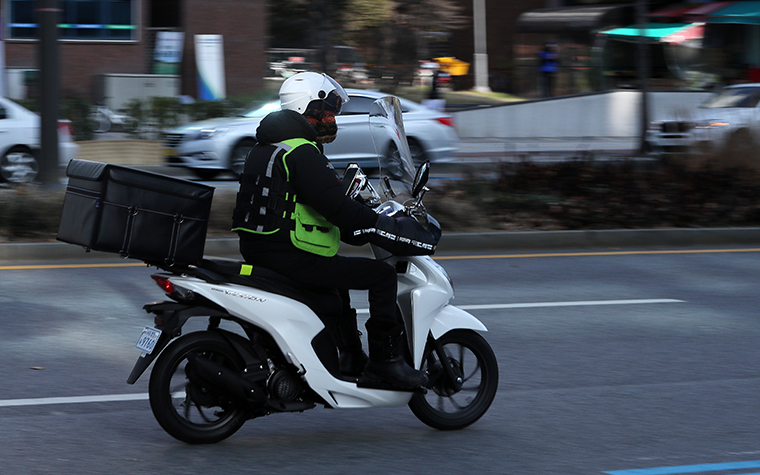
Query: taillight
point(446, 121)
point(164, 283)
point(65, 127)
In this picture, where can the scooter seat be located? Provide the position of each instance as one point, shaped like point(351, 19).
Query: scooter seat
point(324, 301)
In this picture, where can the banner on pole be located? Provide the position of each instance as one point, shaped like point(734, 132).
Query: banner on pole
point(209, 58)
point(167, 57)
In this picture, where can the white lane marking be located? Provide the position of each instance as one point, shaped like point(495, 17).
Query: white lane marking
point(72, 400)
point(557, 304)
point(144, 397)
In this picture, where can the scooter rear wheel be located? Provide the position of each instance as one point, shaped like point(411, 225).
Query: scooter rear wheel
point(454, 404)
point(189, 411)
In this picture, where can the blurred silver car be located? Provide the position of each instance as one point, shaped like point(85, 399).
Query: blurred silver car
point(730, 119)
point(20, 143)
point(216, 145)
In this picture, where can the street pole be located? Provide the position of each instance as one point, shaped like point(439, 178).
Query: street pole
point(323, 37)
point(643, 71)
point(48, 14)
point(481, 54)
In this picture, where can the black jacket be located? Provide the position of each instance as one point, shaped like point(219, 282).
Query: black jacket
point(311, 175)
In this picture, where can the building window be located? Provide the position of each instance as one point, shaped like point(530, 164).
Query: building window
point(94, 20)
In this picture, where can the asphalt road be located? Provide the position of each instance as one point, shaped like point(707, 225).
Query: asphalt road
point(610, 362)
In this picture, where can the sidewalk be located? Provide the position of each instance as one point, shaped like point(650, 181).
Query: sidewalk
point(478, 243)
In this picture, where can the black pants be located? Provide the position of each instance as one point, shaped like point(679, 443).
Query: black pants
point(337, 272)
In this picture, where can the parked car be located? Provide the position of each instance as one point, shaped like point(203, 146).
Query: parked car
point(20, 143)
point(728, 120)
point(216, 145)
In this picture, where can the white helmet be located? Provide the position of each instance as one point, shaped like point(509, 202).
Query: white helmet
point(299, 90)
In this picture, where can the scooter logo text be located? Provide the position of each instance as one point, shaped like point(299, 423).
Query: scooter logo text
point(239, 294)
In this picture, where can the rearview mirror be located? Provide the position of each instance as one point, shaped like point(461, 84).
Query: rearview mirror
point(421, 179)
point(348, 177)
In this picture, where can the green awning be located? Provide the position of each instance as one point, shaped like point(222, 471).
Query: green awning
point(584, 18)
point(666, 32)
point(745, 13)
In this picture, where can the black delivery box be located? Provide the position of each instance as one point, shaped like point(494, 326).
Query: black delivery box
point(138, 214)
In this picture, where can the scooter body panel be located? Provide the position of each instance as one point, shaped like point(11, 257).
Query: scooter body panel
point(424, 291)
point(293, 326)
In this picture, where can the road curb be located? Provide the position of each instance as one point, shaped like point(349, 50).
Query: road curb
point(455, 242)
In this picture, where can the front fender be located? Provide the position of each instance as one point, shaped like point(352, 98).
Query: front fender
point(454, 318)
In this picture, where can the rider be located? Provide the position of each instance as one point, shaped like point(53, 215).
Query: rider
point(291, 209)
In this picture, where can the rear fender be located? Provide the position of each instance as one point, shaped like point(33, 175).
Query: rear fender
point(170, 318)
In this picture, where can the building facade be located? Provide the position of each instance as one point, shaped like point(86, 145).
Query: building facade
point(98, 37)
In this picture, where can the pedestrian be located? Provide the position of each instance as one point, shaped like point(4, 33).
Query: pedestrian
point(547, 69)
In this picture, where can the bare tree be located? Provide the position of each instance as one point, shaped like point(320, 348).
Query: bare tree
point(388, 32)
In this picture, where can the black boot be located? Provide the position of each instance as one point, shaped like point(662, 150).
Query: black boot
point(353, 359)
point(387, 364)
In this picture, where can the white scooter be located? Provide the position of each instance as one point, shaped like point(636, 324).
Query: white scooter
point(281, 358)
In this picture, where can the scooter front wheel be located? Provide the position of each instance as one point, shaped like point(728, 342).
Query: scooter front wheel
point(463, 392)
point(189, 410)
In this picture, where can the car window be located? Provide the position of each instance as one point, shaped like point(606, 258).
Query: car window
point(3, 113)
point(356, 105)
point(360, 105)
point(734, 97)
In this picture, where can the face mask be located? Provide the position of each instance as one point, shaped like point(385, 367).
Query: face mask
point(326, 128)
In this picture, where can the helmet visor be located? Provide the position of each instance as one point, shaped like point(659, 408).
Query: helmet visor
point(337, 96)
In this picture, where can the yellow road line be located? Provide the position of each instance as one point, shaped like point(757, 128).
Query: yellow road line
point(70, 266)
point(438, 258)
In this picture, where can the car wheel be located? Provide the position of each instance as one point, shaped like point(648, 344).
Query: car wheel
point(239, 154)
point(418, 152)
point(19, 165)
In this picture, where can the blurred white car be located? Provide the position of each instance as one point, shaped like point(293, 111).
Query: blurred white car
point(216, 145)
point(730, 119)
point(20, 143)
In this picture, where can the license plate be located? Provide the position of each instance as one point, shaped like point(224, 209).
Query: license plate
point(148, 339)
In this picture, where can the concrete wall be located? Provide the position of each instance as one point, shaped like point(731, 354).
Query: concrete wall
point(613, 114)
point(123, 152)
point(116, 90)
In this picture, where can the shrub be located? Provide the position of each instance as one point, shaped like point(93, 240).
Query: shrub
point(76, 108)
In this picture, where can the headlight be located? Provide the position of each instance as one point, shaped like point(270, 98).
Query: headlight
point(211, 132)
point(710, 124)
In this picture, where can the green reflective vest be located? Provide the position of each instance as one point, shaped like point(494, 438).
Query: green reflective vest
point(309, 230)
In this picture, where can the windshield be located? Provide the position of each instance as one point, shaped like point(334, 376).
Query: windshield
point(386, 126)
point(734, 97)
